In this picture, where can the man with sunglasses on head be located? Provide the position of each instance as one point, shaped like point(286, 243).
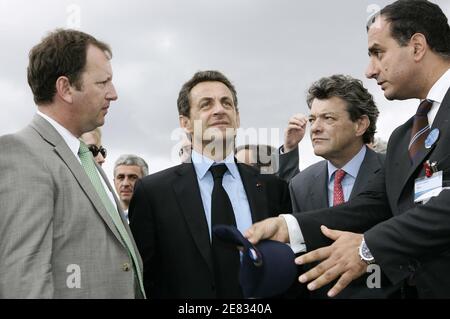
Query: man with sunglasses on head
point(62, 231)
point(93, 140)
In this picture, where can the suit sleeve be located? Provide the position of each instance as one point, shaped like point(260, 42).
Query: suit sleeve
point(26, 223)
point(288, 165)
point(358, 215)
point(285, 201)
point(295, 205)
point(407, 239)
point(142, 226)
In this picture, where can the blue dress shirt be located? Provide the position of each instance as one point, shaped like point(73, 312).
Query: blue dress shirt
point(351, 169)
point(232, 183)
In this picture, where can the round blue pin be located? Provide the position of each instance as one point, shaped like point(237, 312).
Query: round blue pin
point(432, 138)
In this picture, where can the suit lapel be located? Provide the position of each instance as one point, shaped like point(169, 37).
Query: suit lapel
point(406, 171)
point(399, 162)
point(189, 200)
point(255, 190)
point(319, 188)
point(52, 136)
point(369, 166)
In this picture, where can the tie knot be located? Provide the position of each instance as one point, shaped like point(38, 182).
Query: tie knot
point(83, 148)
point(424, 107)
point(218, 171)
point(339, 176)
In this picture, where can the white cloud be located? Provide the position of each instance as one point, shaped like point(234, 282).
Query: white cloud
point(271, 49)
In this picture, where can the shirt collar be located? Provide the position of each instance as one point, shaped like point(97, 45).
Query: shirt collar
point(203, 163)
point(69, 138)
point(437, 94)
point(352, 167)
point(440, 88)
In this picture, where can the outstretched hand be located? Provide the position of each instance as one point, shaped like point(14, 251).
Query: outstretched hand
point(339, 260)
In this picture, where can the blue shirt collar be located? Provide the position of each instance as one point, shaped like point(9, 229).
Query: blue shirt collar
point(202, 164)
point(352, 167)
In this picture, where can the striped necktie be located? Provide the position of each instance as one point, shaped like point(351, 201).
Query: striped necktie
point(420, 130)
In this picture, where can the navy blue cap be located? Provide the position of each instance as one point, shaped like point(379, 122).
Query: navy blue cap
point(267, 268)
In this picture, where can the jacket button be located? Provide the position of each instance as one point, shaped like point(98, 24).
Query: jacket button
point(126, 267)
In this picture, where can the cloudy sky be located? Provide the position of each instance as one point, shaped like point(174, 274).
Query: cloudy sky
point(272, 50)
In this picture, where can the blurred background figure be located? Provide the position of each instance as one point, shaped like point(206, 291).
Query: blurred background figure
point(378, 145)
point(185, 148)
point(93, 140)
point(127, 170)
point(264, 157)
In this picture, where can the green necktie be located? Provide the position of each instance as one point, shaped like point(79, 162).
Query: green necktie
point(87, 161)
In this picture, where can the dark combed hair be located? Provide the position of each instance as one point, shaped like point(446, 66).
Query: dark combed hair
point(60, 53)
point(408, 17)
point(359, 101)
point(199, 77)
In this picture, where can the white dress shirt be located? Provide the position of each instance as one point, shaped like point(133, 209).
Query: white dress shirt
point(74, 145)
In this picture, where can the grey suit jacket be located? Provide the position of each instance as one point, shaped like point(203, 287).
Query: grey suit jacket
point(309, 191)
point(309, 188)
point(56, 238)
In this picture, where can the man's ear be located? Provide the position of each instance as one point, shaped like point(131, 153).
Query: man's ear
point(362, 124)
point(185, 123)
point(420, 45)
point(64, 89)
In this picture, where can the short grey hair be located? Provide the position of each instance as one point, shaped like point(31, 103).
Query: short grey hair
point(131, 160)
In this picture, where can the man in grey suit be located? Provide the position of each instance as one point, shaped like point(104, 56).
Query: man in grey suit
point(343, 119)
point(62, 232)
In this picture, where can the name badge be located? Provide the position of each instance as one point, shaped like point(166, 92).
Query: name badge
point(427, 187)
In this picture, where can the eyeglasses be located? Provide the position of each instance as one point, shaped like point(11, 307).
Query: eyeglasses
point(95, 150)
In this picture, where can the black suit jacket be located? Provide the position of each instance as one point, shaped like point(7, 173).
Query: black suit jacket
point(409, 241)
point(169, 225)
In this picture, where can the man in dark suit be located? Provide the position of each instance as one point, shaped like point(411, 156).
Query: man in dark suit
point(409, 49)
point(172, 212)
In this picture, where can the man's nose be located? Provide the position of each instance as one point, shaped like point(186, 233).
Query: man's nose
point(100, 159)
point(218, 107)
point(315, 126)
point(112, 94)
point(371, 70)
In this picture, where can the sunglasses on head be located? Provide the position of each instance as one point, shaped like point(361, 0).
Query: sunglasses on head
point(95, 150)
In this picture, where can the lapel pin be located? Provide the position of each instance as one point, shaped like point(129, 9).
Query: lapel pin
point(432, 138)
point(258, 184)
point(428, 171)
point(434, 167)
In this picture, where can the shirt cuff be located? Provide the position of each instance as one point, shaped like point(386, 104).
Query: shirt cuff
point(296, 240)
